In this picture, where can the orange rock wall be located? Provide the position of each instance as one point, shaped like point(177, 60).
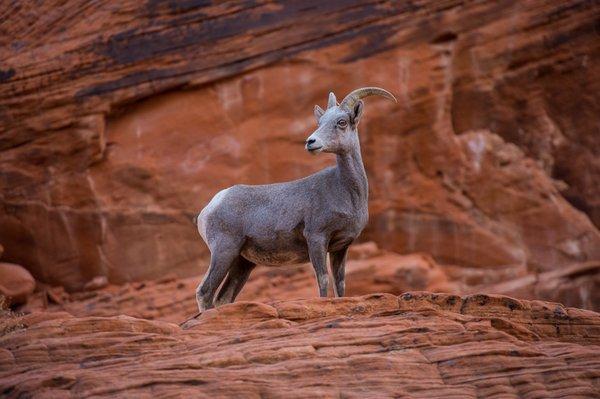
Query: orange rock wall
point(118, 123)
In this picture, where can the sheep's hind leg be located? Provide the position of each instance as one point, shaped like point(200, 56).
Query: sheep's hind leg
point(236, 278)
point(223, 257)
point(338, 269)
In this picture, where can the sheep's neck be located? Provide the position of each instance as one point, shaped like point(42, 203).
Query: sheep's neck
point(352, 174)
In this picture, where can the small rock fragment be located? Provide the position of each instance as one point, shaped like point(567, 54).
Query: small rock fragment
point(96, 283)
point(16, 283)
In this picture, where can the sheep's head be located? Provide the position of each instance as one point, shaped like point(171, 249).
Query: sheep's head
point(337, 126)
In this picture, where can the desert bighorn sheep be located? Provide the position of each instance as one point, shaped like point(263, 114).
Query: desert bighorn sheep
point(296, 221)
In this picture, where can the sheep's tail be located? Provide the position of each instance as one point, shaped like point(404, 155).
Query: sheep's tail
point(195, 219)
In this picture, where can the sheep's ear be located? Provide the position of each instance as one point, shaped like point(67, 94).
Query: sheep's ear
point(357, 111)
point(332, 102)
point(318, 113)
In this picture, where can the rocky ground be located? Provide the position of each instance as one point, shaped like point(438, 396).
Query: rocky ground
point(380, 345)
point(140, 340)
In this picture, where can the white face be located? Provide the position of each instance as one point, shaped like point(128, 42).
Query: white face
point(336, 130)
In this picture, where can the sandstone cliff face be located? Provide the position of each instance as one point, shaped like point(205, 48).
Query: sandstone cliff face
point(117, 124)
point(380, 345)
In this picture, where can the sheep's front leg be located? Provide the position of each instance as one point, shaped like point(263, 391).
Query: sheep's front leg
point(317, 251)
point(338, 269)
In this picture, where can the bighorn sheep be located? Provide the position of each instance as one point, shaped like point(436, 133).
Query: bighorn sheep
point(296, 221)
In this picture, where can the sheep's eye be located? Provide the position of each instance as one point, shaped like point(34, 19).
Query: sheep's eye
point(342, 123)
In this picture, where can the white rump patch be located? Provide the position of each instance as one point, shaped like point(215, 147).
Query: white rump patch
point(206, 212)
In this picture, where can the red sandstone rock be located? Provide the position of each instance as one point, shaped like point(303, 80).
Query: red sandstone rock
point(578, 284)
point(417, 345)
point(103, 175)
point(16, 283)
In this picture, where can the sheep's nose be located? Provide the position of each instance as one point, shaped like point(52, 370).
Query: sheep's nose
point(310, 141)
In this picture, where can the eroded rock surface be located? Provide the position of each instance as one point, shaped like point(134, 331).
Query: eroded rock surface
point(381, 345)
point(104, 158)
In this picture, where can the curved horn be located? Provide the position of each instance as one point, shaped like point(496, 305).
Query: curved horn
point(350, 100)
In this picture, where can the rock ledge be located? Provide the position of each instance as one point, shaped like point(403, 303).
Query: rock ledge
point(418, 344)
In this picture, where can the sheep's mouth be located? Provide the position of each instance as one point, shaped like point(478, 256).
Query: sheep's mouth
point(313, 150)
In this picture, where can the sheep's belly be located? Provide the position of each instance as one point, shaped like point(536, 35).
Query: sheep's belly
point(270, 255)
